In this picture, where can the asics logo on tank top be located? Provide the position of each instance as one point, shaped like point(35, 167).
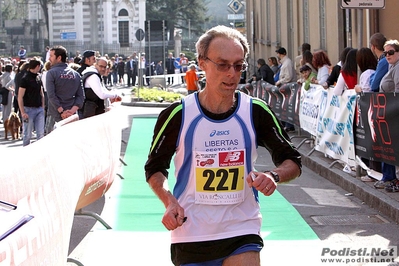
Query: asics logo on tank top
point(219, 133)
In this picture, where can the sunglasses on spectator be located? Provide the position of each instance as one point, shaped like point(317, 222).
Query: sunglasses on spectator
point(390, 52)
point(226, 67)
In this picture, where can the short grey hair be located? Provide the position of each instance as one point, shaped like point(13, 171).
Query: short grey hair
point(204, 41)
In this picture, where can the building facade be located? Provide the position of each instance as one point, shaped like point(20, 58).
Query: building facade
point(107, 26)
point(102, 25)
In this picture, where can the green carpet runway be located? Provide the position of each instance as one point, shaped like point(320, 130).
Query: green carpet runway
point(139, 211)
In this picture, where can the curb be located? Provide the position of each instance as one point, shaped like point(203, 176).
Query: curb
point(146, 104)
point(375, 198)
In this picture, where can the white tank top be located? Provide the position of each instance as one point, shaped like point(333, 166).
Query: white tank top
point(212, 160)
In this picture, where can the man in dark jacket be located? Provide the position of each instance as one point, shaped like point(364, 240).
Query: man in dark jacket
point(170, 67)
point(88, 59)
point(264, 72)
point(64, 88)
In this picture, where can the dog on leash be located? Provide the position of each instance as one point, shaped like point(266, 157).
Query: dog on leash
point(12, 125)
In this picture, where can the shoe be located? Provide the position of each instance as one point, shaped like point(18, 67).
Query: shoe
point(366, 178)
point(393, 186)
point(347, 169)
point(381, 184)
point(289, 129)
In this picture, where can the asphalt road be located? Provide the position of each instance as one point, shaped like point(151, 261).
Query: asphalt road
point(337, 216)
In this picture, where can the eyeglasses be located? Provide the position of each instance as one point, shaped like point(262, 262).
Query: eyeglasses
point(102, 66)
point(390, 52)
point(223, 67)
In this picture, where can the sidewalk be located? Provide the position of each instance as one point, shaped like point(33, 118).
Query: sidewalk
point(385, 202)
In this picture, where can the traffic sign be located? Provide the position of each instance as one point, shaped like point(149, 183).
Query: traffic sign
point(363, 4)
point(68, 35)
point(239, 24)
point(235, 16)
point(235, 6)
point(140, 35)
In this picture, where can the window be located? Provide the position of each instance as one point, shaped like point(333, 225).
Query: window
point(123, 28)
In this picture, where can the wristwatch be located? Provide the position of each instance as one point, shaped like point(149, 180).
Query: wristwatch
point(275, 176)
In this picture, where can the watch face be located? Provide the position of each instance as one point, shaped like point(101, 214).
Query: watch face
point(275, 176)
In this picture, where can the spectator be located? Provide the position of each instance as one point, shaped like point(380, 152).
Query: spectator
point(183, 63)
point(377, 42)
point(22, 53)
point(336, 70)
point(95, 91)
point(191, 79)
point(121, 71)
point(46, 68)
point(170, 68)
point(142, 68)
point(286, 75)
point(64, 88)
point(21, 70)
point(322, 63)
point(347, 80)
point(114, 71)
point(88, 59)
point(367, 63)
point(307, 59)
point(7, 91)
point(131, 70)
point(273, 64)
point(47, 54)
point(298, 60)
point(388, 82)
point(31, 102)
point(306, 76)
point(222, 222)
point(264, 72)
point(149, 71)
point(159, 68)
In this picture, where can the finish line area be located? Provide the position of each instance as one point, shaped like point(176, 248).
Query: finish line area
point(135, 213)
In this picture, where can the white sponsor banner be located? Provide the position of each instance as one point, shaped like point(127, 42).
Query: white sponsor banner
point(334, 135)
point(66, 170)
point(309, 108)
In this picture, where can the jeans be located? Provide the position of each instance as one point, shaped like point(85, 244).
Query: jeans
point(388, 172)
point(35, 121)
point(114, 77)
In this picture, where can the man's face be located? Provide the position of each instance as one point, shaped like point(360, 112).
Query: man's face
point(219, 64)
point(54, 59)
point(101, 67)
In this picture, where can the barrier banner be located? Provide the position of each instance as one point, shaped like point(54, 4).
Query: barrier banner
point(68, 169)
point(376, 126)
point(335, 126)
point(284, 100)
point(309, 108)
point(269, 96)
point(292, 94)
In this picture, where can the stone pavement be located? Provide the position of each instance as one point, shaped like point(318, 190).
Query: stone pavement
point(385, 202)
